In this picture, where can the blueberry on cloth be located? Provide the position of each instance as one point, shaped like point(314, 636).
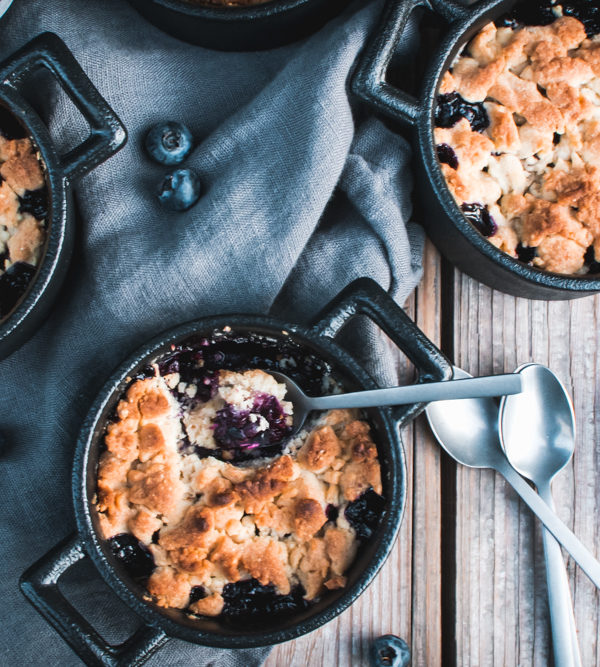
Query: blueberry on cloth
point(13, 284)
point(389, 651)
point(169, 143)
point(179, 190)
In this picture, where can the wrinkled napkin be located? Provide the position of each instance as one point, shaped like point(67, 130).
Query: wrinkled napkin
point(301, 196)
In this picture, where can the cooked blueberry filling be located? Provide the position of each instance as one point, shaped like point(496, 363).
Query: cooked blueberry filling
point(10, 128)
point(235, 428)
point(133, 555)
point(197, 356)
point(527, 13)
point(590, 261)
point(198, 361)
point(541, 13)
point(526, 253)
point(451, 107)
point(446, 155)
point(363, 514)
point(479, 216)
point(332, 512)
point(35, 202)
point(587, 11)
point(13, 284)
point(197, 593)
point(250, 602)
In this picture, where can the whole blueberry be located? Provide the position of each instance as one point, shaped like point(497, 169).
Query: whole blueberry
point(179, 190)
point(389, 651)
point(169, 143)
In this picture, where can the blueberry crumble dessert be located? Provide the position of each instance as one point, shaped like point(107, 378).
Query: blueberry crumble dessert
point(518, 134)
point(210, 504)
point(23, 212)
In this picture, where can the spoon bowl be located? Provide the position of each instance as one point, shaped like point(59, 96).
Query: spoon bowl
point(537, 427)
point(537, 432)
point(467, 429)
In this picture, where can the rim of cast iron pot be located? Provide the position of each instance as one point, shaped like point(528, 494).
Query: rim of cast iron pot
point(56, 188)
point(173, 622)
point(249, 13)
point(449, 48)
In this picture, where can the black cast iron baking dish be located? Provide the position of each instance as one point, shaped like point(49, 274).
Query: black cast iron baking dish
point(40, 582)
point(107, 135)
point(448, 228)
point(264, 26)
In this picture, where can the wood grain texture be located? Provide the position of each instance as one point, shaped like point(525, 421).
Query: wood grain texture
point(404, 598)
point(501, 604)
point(465, 583)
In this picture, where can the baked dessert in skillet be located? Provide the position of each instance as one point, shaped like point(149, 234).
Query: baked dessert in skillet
point(518, 134)
point(23, 212)
point(209, 503)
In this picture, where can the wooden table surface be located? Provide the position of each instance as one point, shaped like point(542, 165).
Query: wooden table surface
point(465, 582)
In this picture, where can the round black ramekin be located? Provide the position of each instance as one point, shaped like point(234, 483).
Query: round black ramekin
point(252, 28)
point(452, 233)
point(107, 135)
point(40, 583)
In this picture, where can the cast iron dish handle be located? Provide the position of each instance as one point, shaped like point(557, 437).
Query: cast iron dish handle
point(107, 132)
point(40, 586)
point(368, 81)
point(365, 297)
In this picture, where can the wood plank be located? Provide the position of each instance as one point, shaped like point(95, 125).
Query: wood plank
point(501, 604)
point(401, 600)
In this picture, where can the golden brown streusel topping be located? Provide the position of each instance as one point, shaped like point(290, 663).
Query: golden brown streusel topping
point(22, 236)
point(208, 522)
point(536, 167)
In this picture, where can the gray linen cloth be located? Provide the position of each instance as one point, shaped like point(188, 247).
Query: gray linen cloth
point(277, 138)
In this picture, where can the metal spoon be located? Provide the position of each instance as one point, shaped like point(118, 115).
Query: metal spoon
point(537, 430)
point(468, 431)
point(493, 385)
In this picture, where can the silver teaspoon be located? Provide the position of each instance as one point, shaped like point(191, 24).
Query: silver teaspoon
point(468, 431)
point(537, 431)
point(493, 385)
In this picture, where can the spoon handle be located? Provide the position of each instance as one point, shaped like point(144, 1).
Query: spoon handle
point(482, 387)
point(564, 631)
point(566, 537)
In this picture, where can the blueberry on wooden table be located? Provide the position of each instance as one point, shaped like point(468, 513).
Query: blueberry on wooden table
point(169, 143)
point(389, 651)
point(179, 190)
